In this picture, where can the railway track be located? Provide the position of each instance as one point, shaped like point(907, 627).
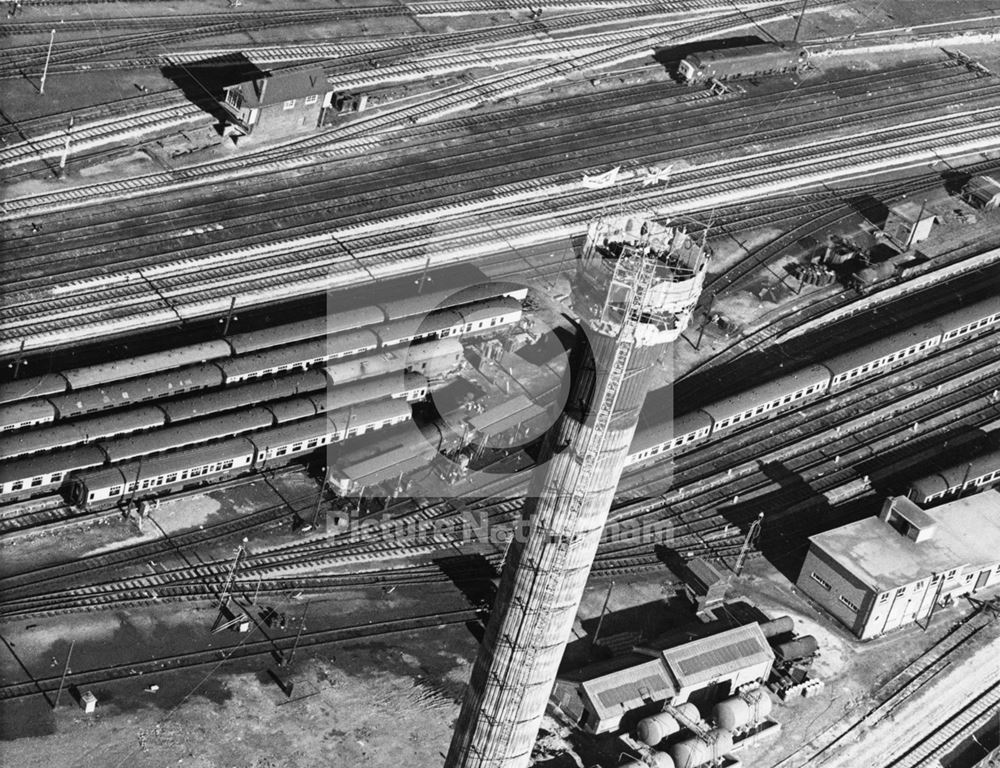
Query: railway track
point(19, 59)
point(491, 159)
point(110, 130)
point(358, 135)
point(246, 649)
point(845, 427)
point(977, 714)
point(770, 326)
point(312, 264)
point(894, 693)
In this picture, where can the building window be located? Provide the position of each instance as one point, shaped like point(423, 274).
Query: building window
point(901, 591)
point(883, 597)
point(819, 581)
point(36, 481)
point(312, 99)
point(848, 603)
point(290, 104)
point(115, 490)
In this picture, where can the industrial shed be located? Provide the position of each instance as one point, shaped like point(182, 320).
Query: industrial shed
point(884, 572)
point(598, 696)
point(722, 662)
point(396, 462)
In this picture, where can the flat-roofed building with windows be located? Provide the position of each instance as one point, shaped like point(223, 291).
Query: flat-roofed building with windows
point(882, 573)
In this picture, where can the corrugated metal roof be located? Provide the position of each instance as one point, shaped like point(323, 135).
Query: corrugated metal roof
point(625, 689)
point(709, 658)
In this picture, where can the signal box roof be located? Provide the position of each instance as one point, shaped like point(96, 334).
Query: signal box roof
point(275, 88)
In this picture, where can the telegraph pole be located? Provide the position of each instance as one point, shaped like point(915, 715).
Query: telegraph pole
point(45, 72)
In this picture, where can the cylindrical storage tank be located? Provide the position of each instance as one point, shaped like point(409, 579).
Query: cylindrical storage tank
point(722, 742)
point(799, 648)
point(689, 711)
point(661, 760)
point(779, 626)
point(654, 729)
point(695, 751)
point(732, 714)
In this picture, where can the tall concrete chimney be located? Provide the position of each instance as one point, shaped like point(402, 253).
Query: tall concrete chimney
point(636, 286)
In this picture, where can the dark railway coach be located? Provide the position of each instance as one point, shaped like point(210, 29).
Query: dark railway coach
point(743, 61)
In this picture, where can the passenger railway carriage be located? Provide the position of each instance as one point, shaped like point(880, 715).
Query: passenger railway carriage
point(808, 383)
point(24, 476)
point(256, 450)
point(338, 353)
point(310, 406)
point(462, 288)
point(971, 476)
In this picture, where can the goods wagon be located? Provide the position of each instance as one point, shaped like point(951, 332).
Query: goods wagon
point(743, 61)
